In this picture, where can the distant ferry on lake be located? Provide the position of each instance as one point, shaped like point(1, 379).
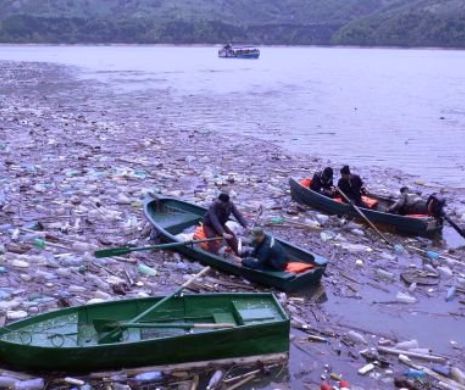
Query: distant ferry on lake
point(230, 51)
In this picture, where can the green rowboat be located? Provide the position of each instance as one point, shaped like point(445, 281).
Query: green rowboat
point(186, 328)
point(170, 217)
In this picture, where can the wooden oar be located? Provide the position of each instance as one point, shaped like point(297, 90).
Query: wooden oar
point(110, 325)
point(126, 249)
point(362, 214)
point(116, 334)
point(454, 225)
point(282, 221)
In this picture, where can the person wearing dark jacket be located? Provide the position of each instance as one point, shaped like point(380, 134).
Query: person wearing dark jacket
point(412, 203)
point(214, 223)
point(352, 185)
point(409, 203)
point(266, 254)
point(322, 182)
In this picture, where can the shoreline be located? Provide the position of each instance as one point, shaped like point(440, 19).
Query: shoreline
point(79, 156)
point(220, 44)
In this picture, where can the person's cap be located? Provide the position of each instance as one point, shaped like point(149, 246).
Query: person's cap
point(403, 189)
point(345, 170)
point(257, 232)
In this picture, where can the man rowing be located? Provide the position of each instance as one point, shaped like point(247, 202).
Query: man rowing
point(214, 223)
point(267, 253)
point(322, 182)
point(352, 185)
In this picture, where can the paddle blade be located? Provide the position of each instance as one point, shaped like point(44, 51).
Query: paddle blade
point(455, 226)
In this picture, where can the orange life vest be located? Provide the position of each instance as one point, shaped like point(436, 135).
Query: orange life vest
point(417, 215)
point(370, 202)
point(297, 267)
point(306, 182)
point(199, 234)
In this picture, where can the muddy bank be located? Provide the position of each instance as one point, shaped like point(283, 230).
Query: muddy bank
point(79, 156)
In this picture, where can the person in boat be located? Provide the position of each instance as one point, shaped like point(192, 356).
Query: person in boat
point(214, 223)
point(352, 185)
point(322, 182)
point(267, 253)
point(412, 203)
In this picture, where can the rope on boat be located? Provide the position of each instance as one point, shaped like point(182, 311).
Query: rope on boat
point(56, 339)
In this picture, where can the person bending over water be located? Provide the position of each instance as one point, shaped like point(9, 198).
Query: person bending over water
point(267, 253)
point(322, 182)
point(214, 223)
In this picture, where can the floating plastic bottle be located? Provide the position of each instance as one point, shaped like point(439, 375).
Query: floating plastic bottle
point(432, 255)
point(366, 369)
point(32, 384)
point(445, 272)
point(411, 373)
point(215, 380)
point(39, 243)
point(458, 375)
point(405, 298)
point(356, 337)
point(451, 293)
point(399, 249)
point(16, 314)
point(151, 376)
point(7, 381)
point(384, 274)
point(145, 270)
point(407, 345)
point(20, 263)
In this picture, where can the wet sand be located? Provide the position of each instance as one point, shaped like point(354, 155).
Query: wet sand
point(71, 146)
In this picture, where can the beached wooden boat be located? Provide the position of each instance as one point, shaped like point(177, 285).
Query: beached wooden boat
point(244, 52)
point(226, 326)
point(170, 217)
point(418, 225)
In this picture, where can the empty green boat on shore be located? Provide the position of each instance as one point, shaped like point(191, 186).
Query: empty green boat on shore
point(170, 217)
point(186, 328)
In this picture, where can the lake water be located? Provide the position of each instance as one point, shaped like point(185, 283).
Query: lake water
point(387, 107)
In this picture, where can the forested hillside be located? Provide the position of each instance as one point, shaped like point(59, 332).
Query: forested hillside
point(355, 22)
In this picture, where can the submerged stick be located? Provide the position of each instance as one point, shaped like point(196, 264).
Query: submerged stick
point(415, 355)
point(243, 361)
point(242, 382)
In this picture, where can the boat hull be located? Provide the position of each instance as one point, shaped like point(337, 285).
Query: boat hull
point(281, 280)
point(425, 227)
point(245, 340)
point(239, 52)
point(241, 56)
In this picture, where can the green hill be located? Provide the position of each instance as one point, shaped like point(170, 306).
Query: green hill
point(364, 22)
point(418, 23)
